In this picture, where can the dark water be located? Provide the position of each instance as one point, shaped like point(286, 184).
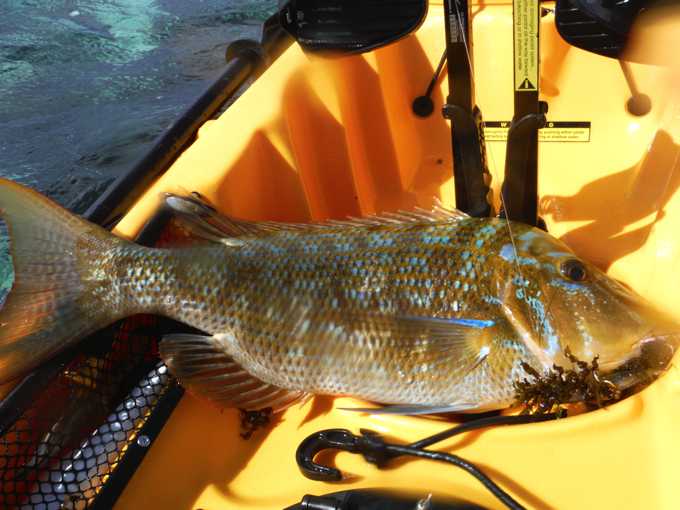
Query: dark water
point(86, 85)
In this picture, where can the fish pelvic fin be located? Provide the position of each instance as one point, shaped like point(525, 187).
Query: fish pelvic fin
point(416, 410)
point(202, 367)
point(50, 305)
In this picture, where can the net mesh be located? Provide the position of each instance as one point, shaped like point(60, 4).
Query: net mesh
point(69, 440)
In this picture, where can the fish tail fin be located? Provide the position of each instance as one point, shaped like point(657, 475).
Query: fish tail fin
point(49, 306)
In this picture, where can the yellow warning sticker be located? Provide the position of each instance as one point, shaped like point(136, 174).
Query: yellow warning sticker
point(525, 21)
point(497, 131)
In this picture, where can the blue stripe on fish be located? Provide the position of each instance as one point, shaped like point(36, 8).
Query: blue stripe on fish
point(470, 323)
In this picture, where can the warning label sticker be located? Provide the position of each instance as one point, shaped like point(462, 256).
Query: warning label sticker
point(497, 131)
point(525, 20)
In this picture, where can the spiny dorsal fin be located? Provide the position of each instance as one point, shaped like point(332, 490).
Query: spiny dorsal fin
point(203, 220)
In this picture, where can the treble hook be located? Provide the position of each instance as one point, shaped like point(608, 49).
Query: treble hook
point(369, 444)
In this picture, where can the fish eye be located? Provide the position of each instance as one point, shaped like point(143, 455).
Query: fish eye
point(574, 270)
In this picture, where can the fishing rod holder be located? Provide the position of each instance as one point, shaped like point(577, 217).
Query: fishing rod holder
point(471, 177)
point(520, 186)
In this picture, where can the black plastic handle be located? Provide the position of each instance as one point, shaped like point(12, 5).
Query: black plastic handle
point(520, 188)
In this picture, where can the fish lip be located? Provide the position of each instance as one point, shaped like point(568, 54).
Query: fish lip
point(639, 347)
point(669, 341)
point(644, 361)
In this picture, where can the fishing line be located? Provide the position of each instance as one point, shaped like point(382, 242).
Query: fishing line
point(465, 41)
point(493, 162)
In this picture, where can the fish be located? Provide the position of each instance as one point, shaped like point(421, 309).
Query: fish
point(423, 311)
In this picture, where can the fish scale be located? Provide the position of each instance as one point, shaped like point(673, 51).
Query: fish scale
point(414, 270)
point(428, 310)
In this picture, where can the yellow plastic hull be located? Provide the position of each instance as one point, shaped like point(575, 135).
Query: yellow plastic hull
point(327, 138)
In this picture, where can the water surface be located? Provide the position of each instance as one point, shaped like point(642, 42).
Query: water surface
point(85, 86)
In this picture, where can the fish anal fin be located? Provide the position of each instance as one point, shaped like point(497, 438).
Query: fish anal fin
point(204, 369)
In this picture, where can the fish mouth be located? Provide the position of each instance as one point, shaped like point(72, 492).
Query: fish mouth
point(649, 358)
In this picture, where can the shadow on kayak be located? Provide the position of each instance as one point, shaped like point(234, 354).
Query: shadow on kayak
point(614, 203)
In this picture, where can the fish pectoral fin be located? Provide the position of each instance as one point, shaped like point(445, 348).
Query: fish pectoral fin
point(461, 343)
point(447, 330)
point(202, 367)
point(437, 333)
point(464, 344)
point(415, 410)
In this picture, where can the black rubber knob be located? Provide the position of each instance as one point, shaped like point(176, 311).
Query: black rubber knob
point(639, 105)
point(423, 106)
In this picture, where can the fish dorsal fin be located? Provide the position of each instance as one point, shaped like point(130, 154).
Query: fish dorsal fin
point(438, 214)
point(201, 219)
point(203, 368)
point(204, 221)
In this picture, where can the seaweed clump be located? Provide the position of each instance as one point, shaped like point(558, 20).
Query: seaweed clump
point(551, 392)
point(253, 420)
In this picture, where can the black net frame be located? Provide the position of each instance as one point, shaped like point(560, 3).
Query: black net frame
point(72, 434)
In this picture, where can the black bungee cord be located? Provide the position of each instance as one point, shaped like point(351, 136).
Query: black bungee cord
point(377, 451)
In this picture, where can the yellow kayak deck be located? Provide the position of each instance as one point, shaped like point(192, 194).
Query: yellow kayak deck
point(318, 138)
